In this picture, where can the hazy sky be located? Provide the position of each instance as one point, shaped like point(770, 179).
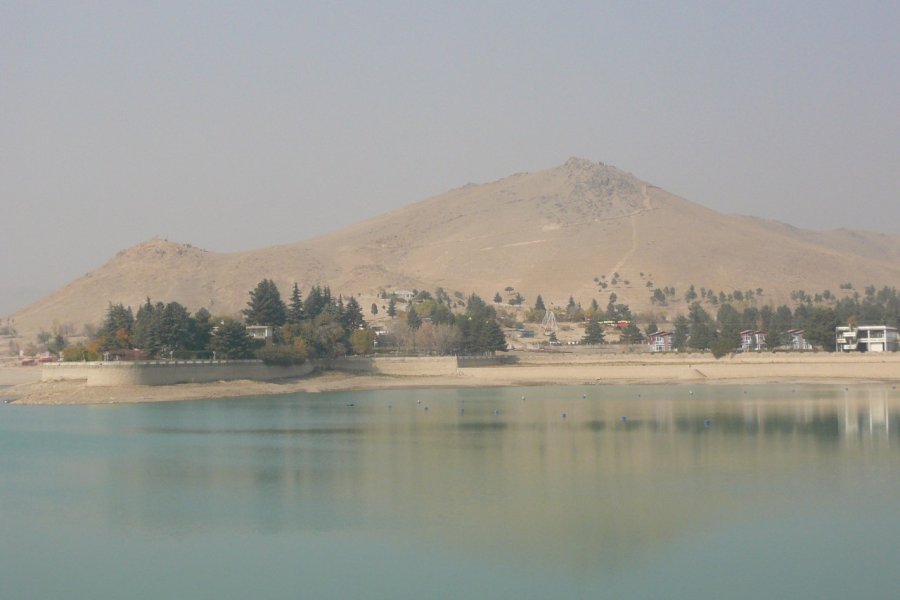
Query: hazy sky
point(241, 125)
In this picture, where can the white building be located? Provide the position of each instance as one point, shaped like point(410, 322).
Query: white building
point(798, 340)
point(752, 340)
point(866, 338)
point(261, 332)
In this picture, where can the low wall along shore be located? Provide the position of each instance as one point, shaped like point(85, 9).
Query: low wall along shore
point(206, 371)
point(168, 373)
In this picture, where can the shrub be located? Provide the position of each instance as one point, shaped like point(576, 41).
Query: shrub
point(282, 356)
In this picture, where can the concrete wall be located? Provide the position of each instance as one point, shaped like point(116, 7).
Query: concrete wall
point(168, 373)
point(395, 365)
point(204, 371)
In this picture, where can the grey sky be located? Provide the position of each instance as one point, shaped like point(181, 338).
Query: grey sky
point(241, 125)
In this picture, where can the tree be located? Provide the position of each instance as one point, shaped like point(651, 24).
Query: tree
point(174, 327)
point(593, 333)
point(539, 304)
point(412, 318)
point(295, 312)
point(117, 327)
point(491, 338)
point(632, 334)
point(392, 308)
point(820, 327)
point(201, 329)
point(232, 341)
point(317, 300)
point(682, 330)
point(352, 317)
point(362, 341)
point(498, 298)
point(146, 329)
point(265, 306)
point(374, 309)
point(729, 321)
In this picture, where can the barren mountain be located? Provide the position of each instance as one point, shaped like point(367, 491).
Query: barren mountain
point(552, 232)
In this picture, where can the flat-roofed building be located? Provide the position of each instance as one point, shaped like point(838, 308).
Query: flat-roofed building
point(866, 338)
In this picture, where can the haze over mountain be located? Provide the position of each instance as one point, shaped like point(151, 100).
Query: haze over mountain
point(553, 232)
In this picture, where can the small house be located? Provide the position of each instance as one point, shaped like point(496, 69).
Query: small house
point(798, 340)
point(661, 341)
point(266, 333)
point(752, 340)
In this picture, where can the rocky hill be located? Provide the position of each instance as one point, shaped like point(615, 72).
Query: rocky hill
point(558, 232)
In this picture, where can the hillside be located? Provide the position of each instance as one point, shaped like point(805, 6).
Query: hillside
point(551, 232)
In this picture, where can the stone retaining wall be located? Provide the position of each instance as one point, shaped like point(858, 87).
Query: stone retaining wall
point(205, 371)
point(168, 373)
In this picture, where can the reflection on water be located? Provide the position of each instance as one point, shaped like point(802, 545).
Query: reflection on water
point(586, 482)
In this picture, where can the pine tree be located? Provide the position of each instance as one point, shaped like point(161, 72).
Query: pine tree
point(265, 306)
point(352, 316)
point(392, 308)
point(117, 327)
point(412, 318)
point(232, 341)
point(374, 309)
point(316, 302)
point(593, 333)
point(539, 303)
point(295, 312)
point(497, 298)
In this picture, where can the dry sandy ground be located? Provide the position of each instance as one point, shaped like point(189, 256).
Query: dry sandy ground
point(533, 369)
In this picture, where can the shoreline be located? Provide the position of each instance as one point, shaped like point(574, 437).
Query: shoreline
point(532, 369)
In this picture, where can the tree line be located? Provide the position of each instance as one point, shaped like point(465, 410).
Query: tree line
point(321, 325)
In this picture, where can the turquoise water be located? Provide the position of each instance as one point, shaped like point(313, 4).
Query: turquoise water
point(704, 492)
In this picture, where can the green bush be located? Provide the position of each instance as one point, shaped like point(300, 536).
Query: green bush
point(282, 356)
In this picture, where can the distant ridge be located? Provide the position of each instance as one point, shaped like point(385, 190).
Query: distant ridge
point(551, 232)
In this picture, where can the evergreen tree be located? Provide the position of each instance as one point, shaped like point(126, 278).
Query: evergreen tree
point(232, 341)
point(295, 312)
point(174, 327)
point(497, 298)
point(374, 309)
point(392, 307)
point(117, 327)
point(200, 330)
point(593, 333)
point(491, 338)
point(632, 334)
point(412, 318)
point(352, 316)
point(539, 303)
point(729, 321)
point(316, 302)
point(682, 330)
point(146, 329)
point(265, 306)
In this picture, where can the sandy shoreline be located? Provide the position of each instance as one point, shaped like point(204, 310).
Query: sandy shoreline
point(532, 369)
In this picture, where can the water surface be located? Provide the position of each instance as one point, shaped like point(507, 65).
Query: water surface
point(593, 492)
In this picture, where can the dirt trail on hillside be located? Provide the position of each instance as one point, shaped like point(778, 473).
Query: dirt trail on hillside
point(633, 218)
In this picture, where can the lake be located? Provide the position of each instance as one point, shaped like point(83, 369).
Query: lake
point(554, 492)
